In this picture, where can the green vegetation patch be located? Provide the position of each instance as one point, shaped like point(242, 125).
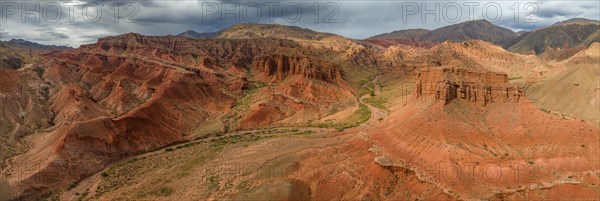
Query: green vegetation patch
point(359, 117)
point(245, 102)
point(378, 102)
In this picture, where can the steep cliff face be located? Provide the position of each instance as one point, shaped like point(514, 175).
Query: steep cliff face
point(446, 84)
point(302, 89)
point(279, 67)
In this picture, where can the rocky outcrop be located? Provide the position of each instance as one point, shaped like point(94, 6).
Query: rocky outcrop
point(446, 84)
point(278, 67)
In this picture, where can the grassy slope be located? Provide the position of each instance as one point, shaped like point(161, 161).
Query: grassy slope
point(573, 92)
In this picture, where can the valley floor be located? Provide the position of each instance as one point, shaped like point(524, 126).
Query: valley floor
point(240, 164)
point(303, 163)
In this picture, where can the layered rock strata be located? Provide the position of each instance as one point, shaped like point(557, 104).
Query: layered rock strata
point(447, 83)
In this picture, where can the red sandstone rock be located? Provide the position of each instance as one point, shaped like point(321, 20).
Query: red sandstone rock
point(278, 67)
point(129, 94)
point(447, 84)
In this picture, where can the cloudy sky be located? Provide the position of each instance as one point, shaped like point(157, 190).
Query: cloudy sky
point(79, 22)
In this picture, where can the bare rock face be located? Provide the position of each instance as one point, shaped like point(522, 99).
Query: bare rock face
point(278, 67)
point(446, 84)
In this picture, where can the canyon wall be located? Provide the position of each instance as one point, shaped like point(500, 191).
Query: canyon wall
point(447, 83)
point(278, 67)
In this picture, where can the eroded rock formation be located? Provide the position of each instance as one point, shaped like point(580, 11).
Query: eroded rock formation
point(447, 84)
point(278, 67)
point(130, 94)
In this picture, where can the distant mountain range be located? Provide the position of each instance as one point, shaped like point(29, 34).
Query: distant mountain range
point(194, 34)
point(404, 34)
point(574, 33)
point(24, 44)
point(470, 30)
point(521, 32)
point(583, 21)
point(250, 30)
point(562, 35)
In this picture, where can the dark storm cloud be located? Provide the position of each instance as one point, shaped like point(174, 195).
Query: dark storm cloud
point(92, 38)
point(4, 34)
point(216, 12)
point(355, 19)
point(586, 6)
point(554, 12)
point(58, 35)
point(523, 26)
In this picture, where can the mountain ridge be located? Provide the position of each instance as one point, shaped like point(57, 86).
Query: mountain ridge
point(194, 34)
point(560, 36)
point(469, 30)
point(21, 43)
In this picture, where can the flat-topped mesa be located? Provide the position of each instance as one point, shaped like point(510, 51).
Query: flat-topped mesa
point(448, 83)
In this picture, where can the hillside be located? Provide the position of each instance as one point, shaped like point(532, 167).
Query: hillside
point(474, 54)
point(251, 31)
point(24, 44)
point(523, 32)
point(559, 37)
point(194, 34)
point(403, 37)
point(254, 31)
point(402, 34)
point(572, 87)
point(23, 101)
point(453, 130)
point(472, 30)
point(10, 58)
point(577, 21)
